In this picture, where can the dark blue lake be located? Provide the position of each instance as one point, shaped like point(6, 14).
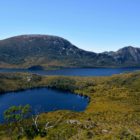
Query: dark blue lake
point(77, 71)
point(43, 100)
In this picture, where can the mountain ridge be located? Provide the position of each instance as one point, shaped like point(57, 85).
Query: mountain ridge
point(47, 51)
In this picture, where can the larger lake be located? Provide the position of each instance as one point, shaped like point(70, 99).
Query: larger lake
point(77, 71)
point(43, 100)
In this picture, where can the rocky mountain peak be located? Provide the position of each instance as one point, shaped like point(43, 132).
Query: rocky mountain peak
point(46, 50)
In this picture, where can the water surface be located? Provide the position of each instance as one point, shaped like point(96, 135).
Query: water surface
point(77, 71)
point(43, 100)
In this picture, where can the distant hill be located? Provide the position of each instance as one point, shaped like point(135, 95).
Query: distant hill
point(45, 51)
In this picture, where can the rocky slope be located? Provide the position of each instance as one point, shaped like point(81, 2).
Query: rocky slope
point(46, 51)
point(127, 55)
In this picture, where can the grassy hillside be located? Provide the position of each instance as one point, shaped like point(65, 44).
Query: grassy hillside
point(113, 111)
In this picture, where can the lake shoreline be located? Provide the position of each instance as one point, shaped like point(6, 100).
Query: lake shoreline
point(75, 71)
point(114, 101)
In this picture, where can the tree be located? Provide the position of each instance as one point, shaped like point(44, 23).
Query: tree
point(14, 117)
point(17, 113)
point(21, 122)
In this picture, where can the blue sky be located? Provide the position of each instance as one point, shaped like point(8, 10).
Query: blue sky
point(95, 25)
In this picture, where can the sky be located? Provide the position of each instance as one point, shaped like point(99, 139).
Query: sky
point(93, 25)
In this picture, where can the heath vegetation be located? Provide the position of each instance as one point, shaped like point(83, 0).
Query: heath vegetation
point(113, 111)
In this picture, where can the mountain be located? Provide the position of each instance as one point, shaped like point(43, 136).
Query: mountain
point(45, 51)
point(126, 56)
